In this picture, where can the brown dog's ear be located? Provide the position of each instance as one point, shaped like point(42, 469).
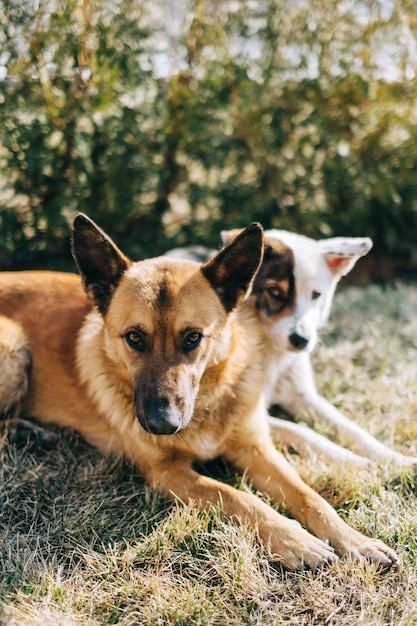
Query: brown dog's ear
point(227, 236)
point(99, 261)
point(232, 270)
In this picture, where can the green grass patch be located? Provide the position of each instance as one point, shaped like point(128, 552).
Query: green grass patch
point(84, 542)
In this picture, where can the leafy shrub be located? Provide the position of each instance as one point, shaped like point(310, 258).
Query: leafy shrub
point(280, 112)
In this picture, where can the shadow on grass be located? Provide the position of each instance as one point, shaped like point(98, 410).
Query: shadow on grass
point(57, 505)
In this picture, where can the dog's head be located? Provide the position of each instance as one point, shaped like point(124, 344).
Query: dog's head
point(165, 322)
point(294, 288)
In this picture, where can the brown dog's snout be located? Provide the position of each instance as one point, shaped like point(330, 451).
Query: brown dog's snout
point(158, 415)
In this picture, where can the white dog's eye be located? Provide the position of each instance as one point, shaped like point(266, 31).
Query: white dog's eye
point(275, 293)
point(315, 295)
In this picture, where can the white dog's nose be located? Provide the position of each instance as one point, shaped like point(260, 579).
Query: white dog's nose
point(297, 341)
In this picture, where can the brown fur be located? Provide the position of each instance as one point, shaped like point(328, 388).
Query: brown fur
point(14, 367)
point(163, 366)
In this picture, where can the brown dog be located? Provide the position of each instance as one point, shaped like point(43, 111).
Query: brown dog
point(161, 364)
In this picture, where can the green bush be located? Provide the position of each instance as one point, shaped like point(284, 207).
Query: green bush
point(279, 112)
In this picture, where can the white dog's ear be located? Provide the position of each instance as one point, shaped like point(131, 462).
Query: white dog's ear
point(341, 253)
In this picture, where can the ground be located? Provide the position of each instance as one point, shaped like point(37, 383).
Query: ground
point(84, 542)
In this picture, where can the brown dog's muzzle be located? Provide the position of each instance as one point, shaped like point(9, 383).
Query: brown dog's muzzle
point(159, 416)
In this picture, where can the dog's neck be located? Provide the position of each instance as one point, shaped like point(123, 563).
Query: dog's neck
point(243, 357)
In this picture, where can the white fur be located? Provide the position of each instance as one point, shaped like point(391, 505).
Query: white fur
point(289, 377)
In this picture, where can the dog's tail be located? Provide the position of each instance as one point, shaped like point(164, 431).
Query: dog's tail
point(15, 364)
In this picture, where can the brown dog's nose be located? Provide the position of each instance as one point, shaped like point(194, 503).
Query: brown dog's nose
point(159, 417)
point(297, 341)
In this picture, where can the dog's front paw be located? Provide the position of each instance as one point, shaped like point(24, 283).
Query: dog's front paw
point(408, 461)
point(301, 550)
point(376, 552)
point(359, 547)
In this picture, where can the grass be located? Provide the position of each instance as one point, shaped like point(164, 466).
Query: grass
point(84, 542)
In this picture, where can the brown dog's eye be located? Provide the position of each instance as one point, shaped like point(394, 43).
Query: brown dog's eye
point(315, 295)
point(191, 341)
point(135, 341)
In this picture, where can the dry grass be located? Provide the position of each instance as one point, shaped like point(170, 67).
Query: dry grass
point(84, 542)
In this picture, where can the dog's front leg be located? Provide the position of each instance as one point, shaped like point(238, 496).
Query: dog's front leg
point(296, 392)
point(304, 440)
point(351, 434)
point(272, 474)
point(289, 543)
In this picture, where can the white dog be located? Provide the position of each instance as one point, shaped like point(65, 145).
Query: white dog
point(292, 295)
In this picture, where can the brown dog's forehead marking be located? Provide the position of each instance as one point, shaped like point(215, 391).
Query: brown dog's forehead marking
point(275, 274)
point(155, 294)
point(164, 294)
